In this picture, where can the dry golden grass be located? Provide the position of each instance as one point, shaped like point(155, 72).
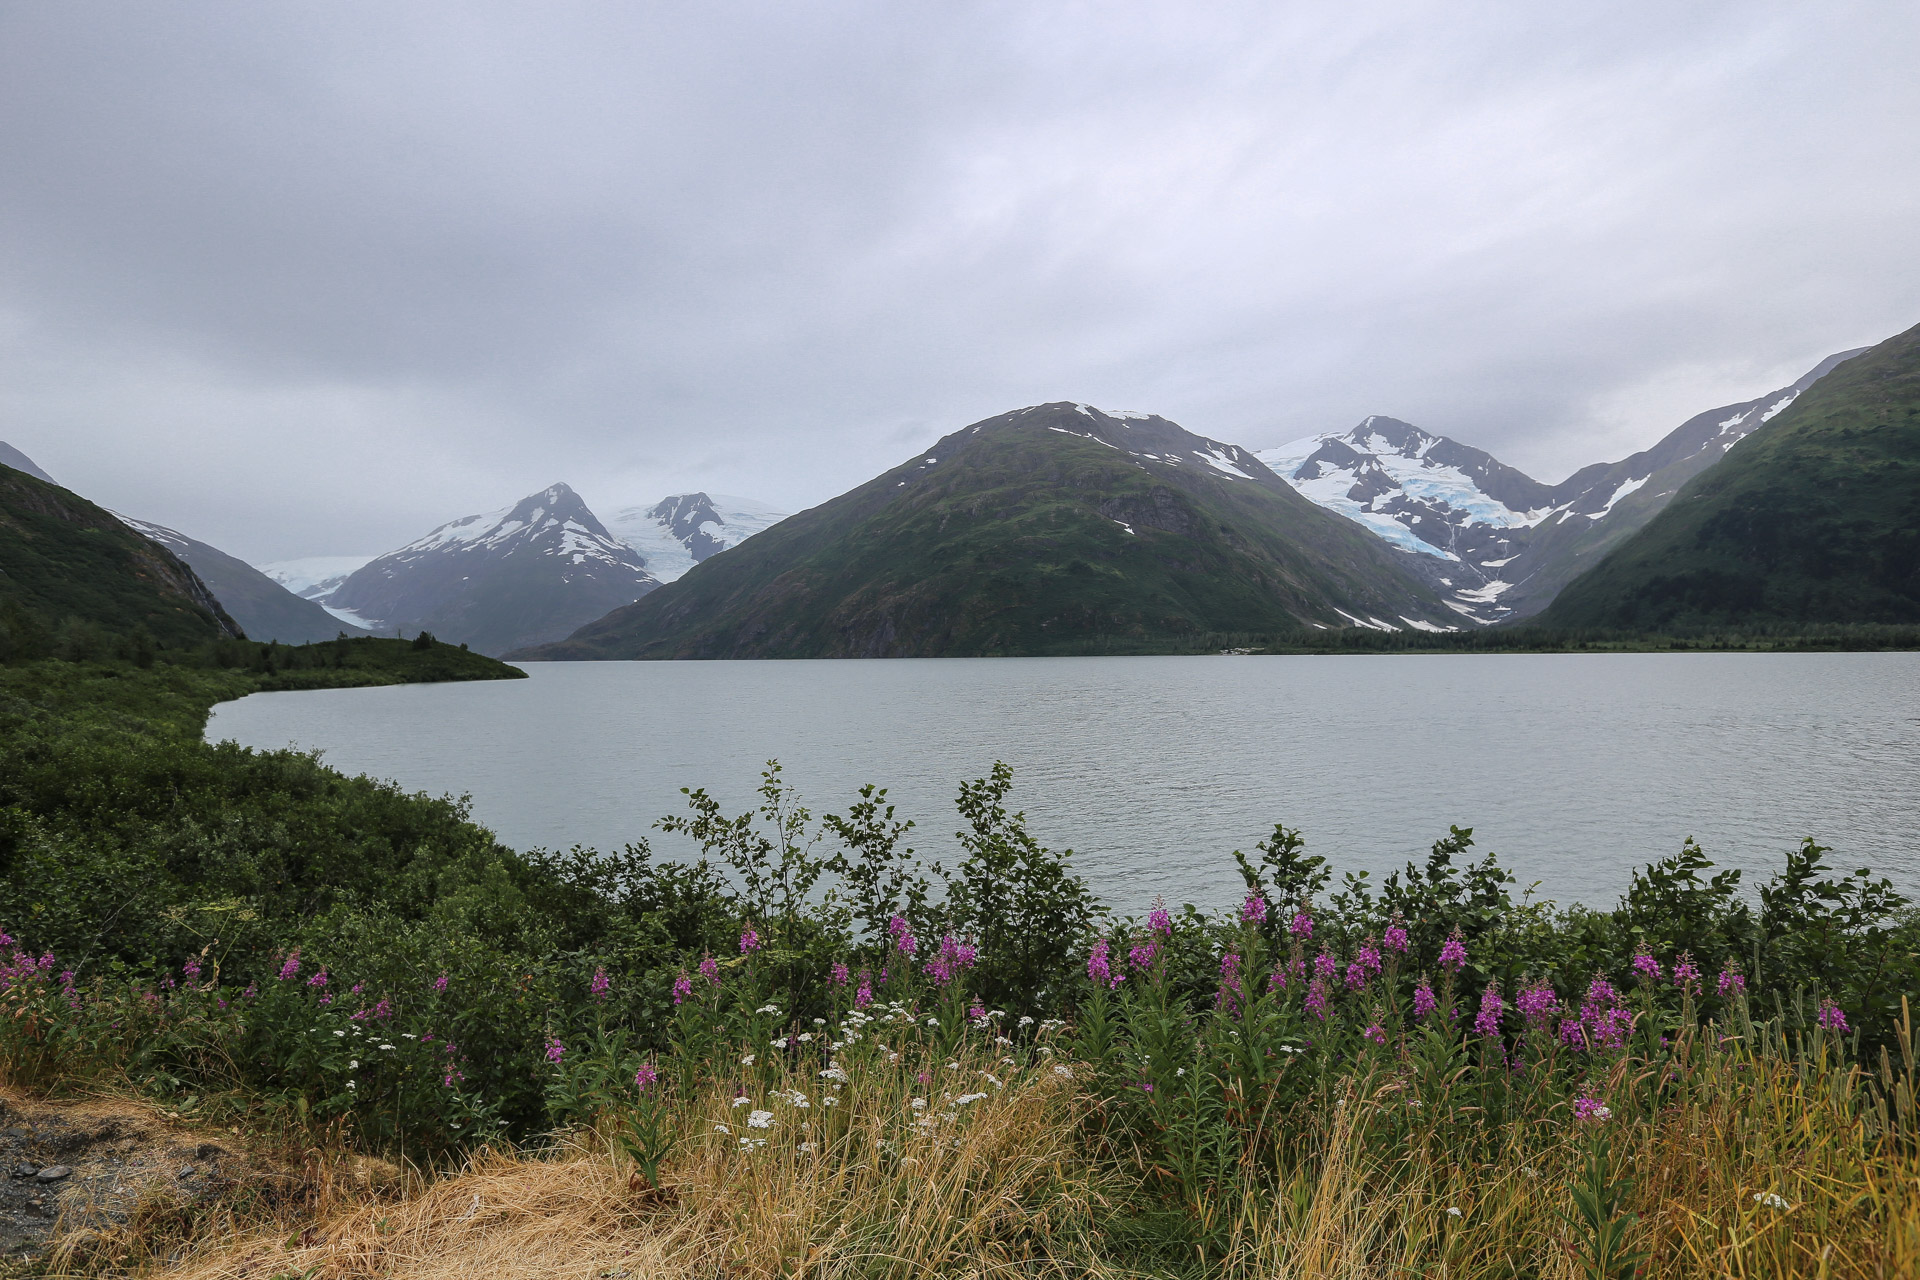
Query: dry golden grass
point(869, 1187)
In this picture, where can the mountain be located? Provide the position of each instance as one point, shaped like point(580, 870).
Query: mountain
point(313, 577)
point(530, 573)
point(264, 609)
point(676, 533)
point(1812, 518)
point(1497, 542)
point(1052, 529)
point(12, 457)
point(62, 557)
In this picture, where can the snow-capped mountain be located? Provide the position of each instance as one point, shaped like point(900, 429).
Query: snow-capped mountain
point(1497, 542)
point(519, 576)
point(678, 532)
point(313, 577)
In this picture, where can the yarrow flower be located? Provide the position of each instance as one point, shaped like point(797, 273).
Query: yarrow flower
point(1253, 910)
point(1453, 953)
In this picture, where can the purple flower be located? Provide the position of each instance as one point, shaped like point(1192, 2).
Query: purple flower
point(1685, 974)
point(1229, 993)
point(864, 996)
point(1253, 910)
point(839, 975)
point(977, 1011)
point(1325, 967)
point(1573, 1032)
point(1487, 1021)
point(1454, 953)
point(1376, 1033)
point(192, 969)
point(1160, 922)
point(358, 987)
point(1537, 1003)
point(1317, 998)
point(710, 970)
point(291, 969)
point(555, 1050)
point(682, 987)
point(1607, 1021)
point(902, 936)
point(1395, 938)
point(1143, 955)
point(1277, 980)
point(597, 989)
point(1586, 1108)
point(953, 959)
point(440, 983)
point(644, 1078)
point(749, 942)
point(319, 979)
point(1645, 967)
point(1731, 981)
point(1302, 925)
point(1423, 1001)
point(326, 998)
point(1830, 1018)
point(1100, 968)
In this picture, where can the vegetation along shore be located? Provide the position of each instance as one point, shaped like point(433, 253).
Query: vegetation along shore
point(411, 1051)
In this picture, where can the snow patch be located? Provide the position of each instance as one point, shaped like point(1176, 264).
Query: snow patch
point(1626, 487)
point(1778, 405)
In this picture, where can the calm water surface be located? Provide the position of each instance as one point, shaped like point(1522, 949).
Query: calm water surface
point(1573, 768)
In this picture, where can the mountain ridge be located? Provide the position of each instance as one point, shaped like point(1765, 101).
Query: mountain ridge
point(1054, 528)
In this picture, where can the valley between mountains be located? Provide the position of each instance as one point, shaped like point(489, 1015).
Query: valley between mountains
point(1065, 528)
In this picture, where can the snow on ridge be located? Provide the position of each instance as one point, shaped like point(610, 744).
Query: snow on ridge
point(1222, 463)
point(1371, 624)
point(1626, 487)
point(313, 577)
point(1778, 405)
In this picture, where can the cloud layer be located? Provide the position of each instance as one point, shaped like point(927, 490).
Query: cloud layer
point(308, 278)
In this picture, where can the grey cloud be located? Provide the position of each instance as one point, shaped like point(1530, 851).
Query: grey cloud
point(309, 278)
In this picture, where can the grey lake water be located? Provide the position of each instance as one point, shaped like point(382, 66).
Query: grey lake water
point(1574, 769)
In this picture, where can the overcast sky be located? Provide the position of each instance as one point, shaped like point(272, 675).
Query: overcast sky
point(306, 279)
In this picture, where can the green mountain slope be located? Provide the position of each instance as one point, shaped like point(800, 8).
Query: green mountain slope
point(1054, 529)
point(1815, 518)
point(62, 557)
point(264, 609)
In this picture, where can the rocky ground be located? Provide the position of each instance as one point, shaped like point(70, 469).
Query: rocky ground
point(82, 1167)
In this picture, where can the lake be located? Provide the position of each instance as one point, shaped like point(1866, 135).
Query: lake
point(1575, 769)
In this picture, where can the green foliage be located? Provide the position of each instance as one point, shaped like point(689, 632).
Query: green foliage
point(1601, 1226)
point(1016, 896)
point(1813, 519)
